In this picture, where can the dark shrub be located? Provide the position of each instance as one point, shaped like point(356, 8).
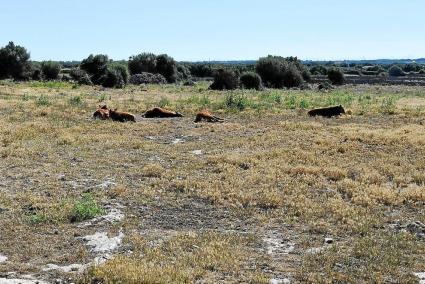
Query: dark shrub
point(183, 72)
point(95, 66)
point(167, 67)
point(324, 86)
point(396, 71)
point(189, 83)
point(150, 63)
point(271, 70)
point(65, 78)
point(201, 70)
point(50, 70)
point(36, 74)
point(13, 61)
point(336, 76)
point(279, 72)
point(422, 71)
point(251, 80)
point(225, 80)
point(147, 78)
point(319, 70)
point(292, 77)
point(144, 62)
point(353, 72)
point(306, 75)
point(80, 76)
point(411, 67)
point(112, 79)
point(122, 69)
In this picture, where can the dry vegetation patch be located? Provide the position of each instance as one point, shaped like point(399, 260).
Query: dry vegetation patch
point(198, 199)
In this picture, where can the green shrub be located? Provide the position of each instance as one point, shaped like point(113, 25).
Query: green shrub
point(183, 72)
point(144, 62)
point(167, 67)
point(225, 80)
point(80, 76)
point(50, 70)
point(336, 76)
point(396, 71)
point(112, 79)
point(251, 80)
point(150, 63)
point(319, 70)
point(201, 70)
point(422, 71)
point(85, 208)
point(292, 77)
point(122, 69)
point(306, 75)
point(13, 61)
point(95, 66)
point(279, 72)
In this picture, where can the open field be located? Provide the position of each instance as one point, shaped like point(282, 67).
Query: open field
point(269, 194)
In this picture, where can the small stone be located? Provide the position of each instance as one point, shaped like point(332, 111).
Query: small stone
point(3, 258)
point(329, 240)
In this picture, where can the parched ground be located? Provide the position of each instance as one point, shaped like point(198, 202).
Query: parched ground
point(269, 196)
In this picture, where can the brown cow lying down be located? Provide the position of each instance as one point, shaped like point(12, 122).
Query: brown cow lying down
point(121, 116)
point(161, 112)
point(101, 113)
point(205, 115)
point(327, 111)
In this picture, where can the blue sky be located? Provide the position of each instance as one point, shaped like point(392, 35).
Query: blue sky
point(216, 29)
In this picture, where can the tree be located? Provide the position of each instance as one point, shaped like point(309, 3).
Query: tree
point(13, 61)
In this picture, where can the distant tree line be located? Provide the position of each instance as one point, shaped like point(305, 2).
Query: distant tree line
point(148, 68)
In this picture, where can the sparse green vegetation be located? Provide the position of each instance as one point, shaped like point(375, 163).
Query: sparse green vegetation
point(85, 208)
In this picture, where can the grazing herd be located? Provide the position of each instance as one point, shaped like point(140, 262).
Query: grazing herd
point(105, 113)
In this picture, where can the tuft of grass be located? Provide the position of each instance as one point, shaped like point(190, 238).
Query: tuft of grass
point(180, 258)
point(43, 100)
point(37, 219)
point(388, 105)
point(85, 208)
point(236, 101)
point(76, 100)
point(163, 102)
point(370, 259)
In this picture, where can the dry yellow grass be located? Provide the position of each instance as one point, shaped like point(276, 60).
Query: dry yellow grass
point(199, 198)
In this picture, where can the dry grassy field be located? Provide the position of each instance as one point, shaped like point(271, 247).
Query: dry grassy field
point(269, 196)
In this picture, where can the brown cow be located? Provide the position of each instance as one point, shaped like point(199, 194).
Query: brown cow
point(205, 115)
point(161, 112)
point(121, 116)
point(101, 113)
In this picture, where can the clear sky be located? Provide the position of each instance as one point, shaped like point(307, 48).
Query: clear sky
point(216, 29)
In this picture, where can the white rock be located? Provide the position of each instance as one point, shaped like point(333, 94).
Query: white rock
point(101, 243)
point(67, 268)
point(177, 141)
point(421, 276)
point(3, 258)
point(114, 215)
point(329, 240)
point(315, 250)
point(21, 281)
point(278, 246)
point(197, 152)
point(280, 281)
